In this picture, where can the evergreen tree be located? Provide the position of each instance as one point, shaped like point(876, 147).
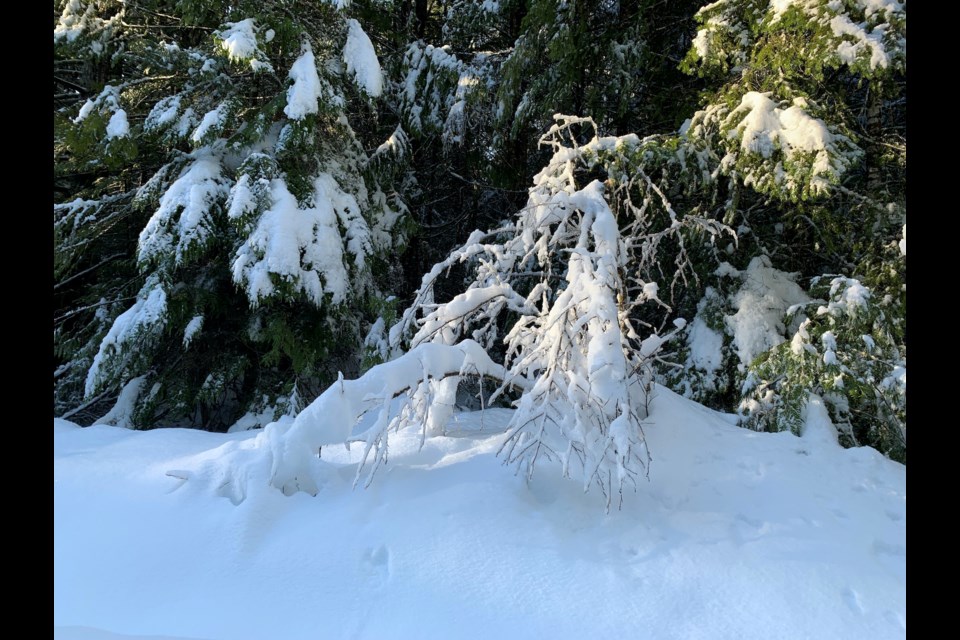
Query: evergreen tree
point(225, 229)
point(806, 129)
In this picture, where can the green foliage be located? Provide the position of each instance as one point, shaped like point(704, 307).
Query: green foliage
point(703, 366)
point(805, 122)
point(848, 349)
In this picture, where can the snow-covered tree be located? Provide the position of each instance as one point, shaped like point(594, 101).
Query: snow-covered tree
point(562, 299)
point(805, 128)
point(225, 143)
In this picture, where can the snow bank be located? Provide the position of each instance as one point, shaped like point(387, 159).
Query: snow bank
point(737, 534)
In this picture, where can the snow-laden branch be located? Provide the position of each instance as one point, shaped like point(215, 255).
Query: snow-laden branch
point(427, 376)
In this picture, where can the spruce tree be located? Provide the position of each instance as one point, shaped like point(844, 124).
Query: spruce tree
point(805, 125)
point(224, 231)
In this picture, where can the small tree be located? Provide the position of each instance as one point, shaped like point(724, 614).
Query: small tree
point(562, 296)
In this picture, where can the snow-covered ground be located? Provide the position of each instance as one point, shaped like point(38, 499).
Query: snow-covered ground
point(735, 535)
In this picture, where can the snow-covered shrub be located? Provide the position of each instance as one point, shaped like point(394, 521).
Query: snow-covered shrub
point(845, 349)
point(556, 297)
point(702, 362)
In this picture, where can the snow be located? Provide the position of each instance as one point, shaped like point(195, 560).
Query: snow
point(872, 41)
point(163, 112)
point(761, 303)
point(853, 296)
point(85, 110)
point(779, 145)
point(437, 82)
point(121, 414)
point(854, 39)
point(184, 217)
point(242, 200)
point(108, 101)
point(302, 246)
point(765, 127)
point(211, 119)
point(361, 59)
point(829, 340)
point(239, 39)
point(779, 7)
point(118, 127)
point(896, 379)
point(356, 230)
point(903, 241)
point(191, 330)
point(79, 17)
point(887, 7)
point(303, 94)
point(817, 428)
point(397, 145)
point(72, 21)
point(148, 312)
point(187, 120)
point(702, 42)
point(705, 346)
point(736, 534)
point(446, 321)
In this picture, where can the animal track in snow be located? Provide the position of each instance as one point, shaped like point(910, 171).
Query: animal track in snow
point(885, 548)
point(376, 564)
point(853, 600)
point(895, 619)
